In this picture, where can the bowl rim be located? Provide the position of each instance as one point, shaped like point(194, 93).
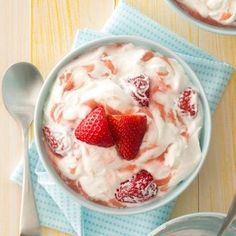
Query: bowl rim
point(184, 217)
point(39, 112)
point(210, 28)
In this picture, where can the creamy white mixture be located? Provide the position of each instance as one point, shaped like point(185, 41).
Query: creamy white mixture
point(99, 169)
point(222, 11)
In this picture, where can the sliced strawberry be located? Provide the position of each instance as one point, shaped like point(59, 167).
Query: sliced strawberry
point(141, 187)
point(128, 132)
point(89, 68)
point(94, 129)
point(58, 142)
point(147, 56)
point(187, 102)
point(108, 63)
point(225, 16)
point(66, 79)
point(140, 89)
point(51, 141)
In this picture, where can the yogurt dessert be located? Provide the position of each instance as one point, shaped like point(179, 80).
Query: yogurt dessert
point(121, 125)
point(214, 12)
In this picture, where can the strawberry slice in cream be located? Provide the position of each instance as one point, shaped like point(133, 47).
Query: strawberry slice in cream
point(121, 125)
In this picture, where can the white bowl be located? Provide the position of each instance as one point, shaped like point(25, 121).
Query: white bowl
point(199, 23)
point(206, 221)
point(204, 139)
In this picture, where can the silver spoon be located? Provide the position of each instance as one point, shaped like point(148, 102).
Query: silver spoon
point(229, 218)
point(20, 88)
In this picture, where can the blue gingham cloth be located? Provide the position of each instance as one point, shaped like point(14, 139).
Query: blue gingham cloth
point(59, 211)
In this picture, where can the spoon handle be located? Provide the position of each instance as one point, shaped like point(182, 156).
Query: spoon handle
point(29, 222)
point(229, 218)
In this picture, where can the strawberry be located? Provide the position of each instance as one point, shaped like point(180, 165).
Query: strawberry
point(51, 141)
point(187, 102)
point(140, 89)
point(128, 132)
point(66, 79)
point(94, 129)
point(59, 142)
point(139, 188)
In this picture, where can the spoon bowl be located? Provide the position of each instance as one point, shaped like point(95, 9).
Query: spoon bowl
point(20, 89)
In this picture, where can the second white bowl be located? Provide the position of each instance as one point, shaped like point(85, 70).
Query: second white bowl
point(199, 23)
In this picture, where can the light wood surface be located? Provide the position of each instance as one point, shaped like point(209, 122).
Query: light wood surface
point(42, 31)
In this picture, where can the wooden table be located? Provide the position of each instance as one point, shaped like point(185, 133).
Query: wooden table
point(42, 31)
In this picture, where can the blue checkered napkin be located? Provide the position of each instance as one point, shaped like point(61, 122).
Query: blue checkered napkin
point(57, 210)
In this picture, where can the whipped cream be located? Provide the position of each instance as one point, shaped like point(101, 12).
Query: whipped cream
point(89, 81)
point(221, 11)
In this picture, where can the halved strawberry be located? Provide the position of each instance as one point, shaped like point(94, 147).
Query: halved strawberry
point(58, 142)
point(141, 187)
point(128, 132)
point(140, 89)
point(94, 129)
point(187, 102)
point(66, 79)
point(51, 141)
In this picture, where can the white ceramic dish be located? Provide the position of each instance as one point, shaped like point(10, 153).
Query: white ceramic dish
point(199, 23)
point(204, 139)
point(206, 221)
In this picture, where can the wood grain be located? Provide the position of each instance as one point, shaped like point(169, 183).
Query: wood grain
point(14, 46)
point(42, 31)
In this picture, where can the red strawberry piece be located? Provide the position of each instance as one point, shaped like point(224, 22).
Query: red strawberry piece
point(57, 141)
point(51, 141)
point(67, 80)
point(140, 89)
point(128, 132)
point(187, 102)
point(94, 129)
point(141, 187)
